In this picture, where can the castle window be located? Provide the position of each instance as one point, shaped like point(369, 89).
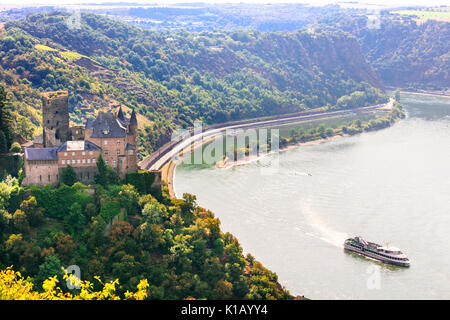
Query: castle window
point(78, 161)
point(118, 142)
point(40, 178)
point(114, 162)
point(130, 151)
point(106, 161)
point(48, 177)
point(93, 160)
point(106, 152)
point(118, 151)
point(63, 161)
point(106, 142)
point(83, 153)
point(84, 161)
point(73, 153)
point(65, 153)
point(91, 153)
point(88, 160)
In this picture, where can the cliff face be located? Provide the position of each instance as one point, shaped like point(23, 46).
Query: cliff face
point(407, 54)
point(314, 55)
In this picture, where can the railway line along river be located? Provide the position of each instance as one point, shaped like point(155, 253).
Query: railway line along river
point(391, 185)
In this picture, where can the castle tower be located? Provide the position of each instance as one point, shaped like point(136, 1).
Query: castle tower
point(55, 118)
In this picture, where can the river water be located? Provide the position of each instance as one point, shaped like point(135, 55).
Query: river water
point(389, 186)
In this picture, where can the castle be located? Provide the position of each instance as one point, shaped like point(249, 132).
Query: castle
point(112, 135)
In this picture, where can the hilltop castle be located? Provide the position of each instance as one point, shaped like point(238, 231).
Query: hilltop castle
point(112, 135)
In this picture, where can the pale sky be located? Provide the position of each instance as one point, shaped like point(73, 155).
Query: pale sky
point(22, 3)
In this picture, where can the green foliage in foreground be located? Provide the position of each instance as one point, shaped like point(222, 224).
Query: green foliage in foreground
point(119, 233)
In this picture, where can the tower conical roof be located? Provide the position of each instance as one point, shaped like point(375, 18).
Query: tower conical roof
point(133, 119)
point(120, 114)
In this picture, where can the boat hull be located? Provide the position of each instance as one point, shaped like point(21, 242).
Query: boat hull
point(371, 255)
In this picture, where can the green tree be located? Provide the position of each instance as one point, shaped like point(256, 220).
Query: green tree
point(101, 177)
point(34, 213)
point(75, 220)
point(3, 144)
point(5, 121)
point(154, 212)
point(50, 268)
point(20, 221)
point(68, 176)
point(16, 148)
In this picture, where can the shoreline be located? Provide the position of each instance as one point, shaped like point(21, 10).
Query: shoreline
point(247, 159)
point(423, 93)
point(168, 170)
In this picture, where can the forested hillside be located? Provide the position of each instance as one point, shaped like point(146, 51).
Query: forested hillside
point(129, 232)
point(172, 79)
point(405, 52)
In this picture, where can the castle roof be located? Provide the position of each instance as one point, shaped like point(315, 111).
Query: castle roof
point(41, 153)
point(120, 115)
point(133, 119)
point(130, 146)
point(83, 145)
point(108, 126)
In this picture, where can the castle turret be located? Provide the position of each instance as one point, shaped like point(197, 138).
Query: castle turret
point(120, 115)
point(133, 124)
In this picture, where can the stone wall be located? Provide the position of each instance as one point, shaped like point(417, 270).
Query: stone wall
point(40, 172)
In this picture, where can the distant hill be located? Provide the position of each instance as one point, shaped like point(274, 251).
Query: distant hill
point(172, 79)
point(405, 52)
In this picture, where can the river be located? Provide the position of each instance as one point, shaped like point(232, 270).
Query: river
point(389, 186)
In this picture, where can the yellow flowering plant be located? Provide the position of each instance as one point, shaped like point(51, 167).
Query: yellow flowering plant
point(13, 286)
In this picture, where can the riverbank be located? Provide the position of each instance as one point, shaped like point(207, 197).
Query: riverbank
point(168, 170)
point(422, 92)
point(225, 164)
point(359, 184)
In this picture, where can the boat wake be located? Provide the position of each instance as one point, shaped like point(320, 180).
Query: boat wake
point(321, 230)
point(297, 173)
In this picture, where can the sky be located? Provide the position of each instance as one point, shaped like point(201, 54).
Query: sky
point(21, 3)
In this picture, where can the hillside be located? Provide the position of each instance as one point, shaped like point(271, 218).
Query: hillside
point(405, 52)
point(172, 79)
point(129, 232)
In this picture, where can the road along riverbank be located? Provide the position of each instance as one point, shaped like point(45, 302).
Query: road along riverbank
point(167, 163)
